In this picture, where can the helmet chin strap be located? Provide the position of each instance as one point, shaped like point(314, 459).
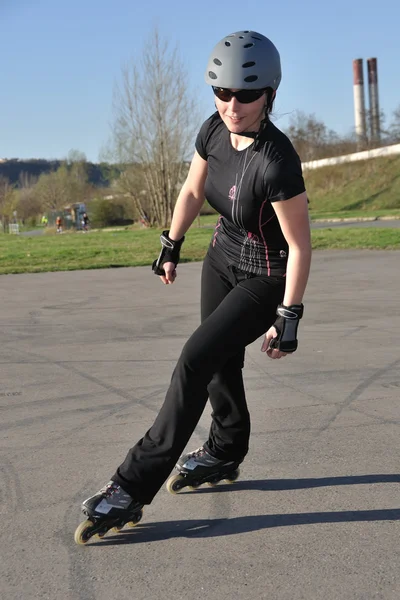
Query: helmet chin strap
point(255, 135)
point(249, 134)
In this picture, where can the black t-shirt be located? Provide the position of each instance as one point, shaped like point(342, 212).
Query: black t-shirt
point(241, 186)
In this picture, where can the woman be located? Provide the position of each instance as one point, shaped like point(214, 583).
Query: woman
point(253, 280)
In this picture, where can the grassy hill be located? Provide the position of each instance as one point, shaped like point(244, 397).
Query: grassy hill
point(363, 188)
point(370, 186)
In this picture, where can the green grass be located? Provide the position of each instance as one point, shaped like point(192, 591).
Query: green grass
point(20, 254)
point(353, 238)
point(206, 221)
point(367, 187)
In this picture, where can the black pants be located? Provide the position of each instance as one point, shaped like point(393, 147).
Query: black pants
point(236, 309)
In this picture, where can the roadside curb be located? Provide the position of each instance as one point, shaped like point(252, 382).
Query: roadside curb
point(356, 219)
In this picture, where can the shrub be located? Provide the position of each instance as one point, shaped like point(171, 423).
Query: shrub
point(105, 213)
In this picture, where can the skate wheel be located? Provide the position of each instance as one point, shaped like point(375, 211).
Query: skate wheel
point(82, 532)
point(138, 518)
point(213, 481)
point(194, 486)
point(117, 528)
point(101, 531)
point(175, 484)
point(232, 476)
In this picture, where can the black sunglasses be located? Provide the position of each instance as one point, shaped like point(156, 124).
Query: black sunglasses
point(242, 96)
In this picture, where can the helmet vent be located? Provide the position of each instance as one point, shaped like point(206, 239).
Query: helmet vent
point(212, 75)
point(217, 62)
point(251, 78)
point(227, 44)
point(248, 45)
point(248, 64)
point(255, 38)
point(246, 31)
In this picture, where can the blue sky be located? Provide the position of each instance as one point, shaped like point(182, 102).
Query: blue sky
point(61, 60)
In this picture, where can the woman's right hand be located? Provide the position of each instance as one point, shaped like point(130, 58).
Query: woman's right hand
point(170, 273)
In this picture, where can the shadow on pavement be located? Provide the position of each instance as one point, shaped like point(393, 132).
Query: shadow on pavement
point(270, 485)
point(203, 528)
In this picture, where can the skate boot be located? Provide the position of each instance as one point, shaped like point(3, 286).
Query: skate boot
point(110, 508)
point(200, 467)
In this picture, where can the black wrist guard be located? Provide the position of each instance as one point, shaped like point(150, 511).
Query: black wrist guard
point(170, 252)
point(286, 326)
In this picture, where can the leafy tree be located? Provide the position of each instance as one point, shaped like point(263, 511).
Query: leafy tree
point(68, 185)
point(52, 189)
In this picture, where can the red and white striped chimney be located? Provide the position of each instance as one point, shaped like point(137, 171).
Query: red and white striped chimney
point(372, 64)
point(359, 101)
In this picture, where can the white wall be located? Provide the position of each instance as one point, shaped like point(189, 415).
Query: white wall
point(365, 155)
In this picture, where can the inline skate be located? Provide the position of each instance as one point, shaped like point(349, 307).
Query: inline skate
point(200, 467)
point(110, 508)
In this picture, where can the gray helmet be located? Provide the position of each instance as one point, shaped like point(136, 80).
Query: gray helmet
point(244, 60)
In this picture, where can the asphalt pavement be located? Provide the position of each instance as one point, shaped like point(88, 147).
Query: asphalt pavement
point(86, 357)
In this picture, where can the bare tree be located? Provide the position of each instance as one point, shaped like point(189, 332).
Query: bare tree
point(155, 120)
point(77, 177)
point(76, 156)
point(29, 205)
point(384, 136)
point(394, 128)
point(8, 202)
point(26, 180)
point(311, 137)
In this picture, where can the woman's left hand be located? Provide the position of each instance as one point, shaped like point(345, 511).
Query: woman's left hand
point(271, 352)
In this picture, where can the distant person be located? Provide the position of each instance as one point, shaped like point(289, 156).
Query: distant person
point(85, 222)
point(253, 280)
point(59, 225)
point(144, 219)
point(44, 221)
